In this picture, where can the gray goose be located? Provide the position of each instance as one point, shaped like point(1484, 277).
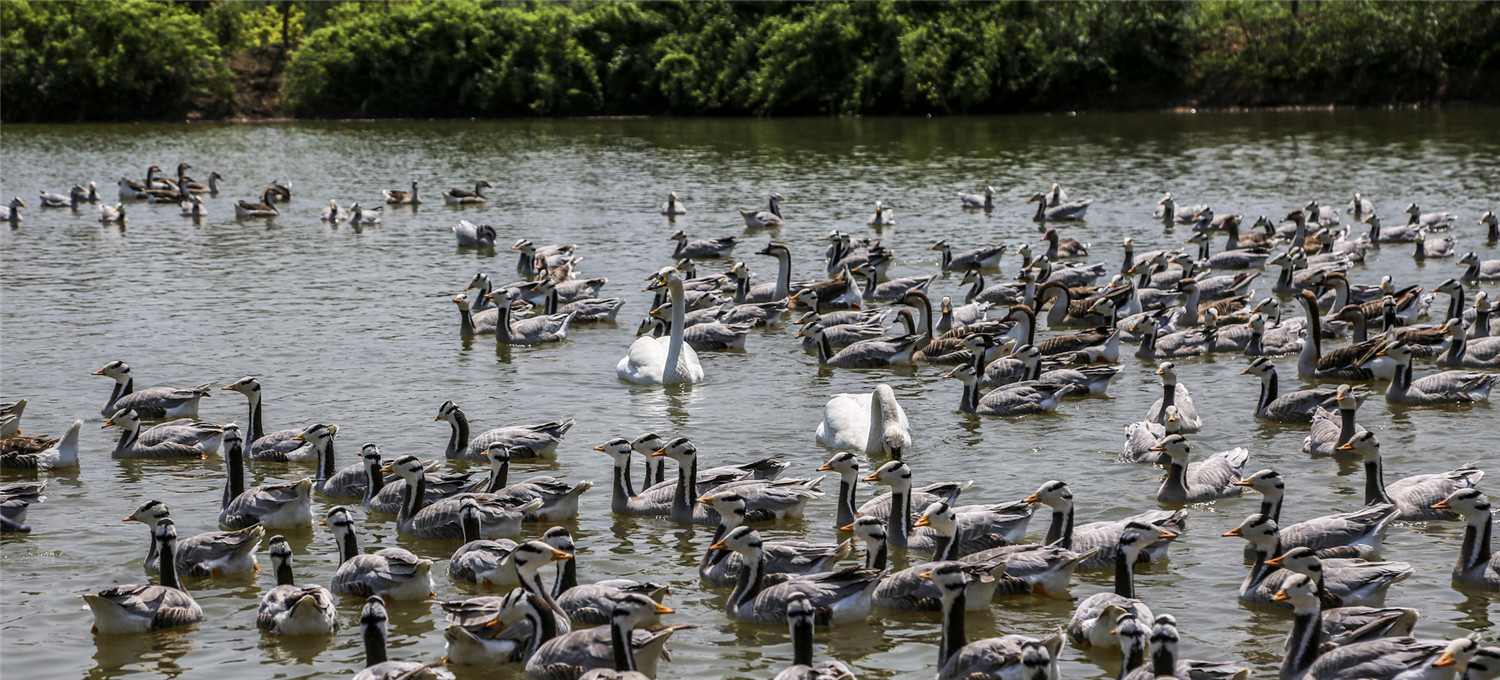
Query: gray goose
point(1329, 430)
point(701, 248)
point(1015, 399)
point(873, 353)
point(1413, 496)
point(175, 439)
point(1342, 581)
point(481, 560)
point(539, 440)
point(454, 196)
point(722, 567)
point(142, 609)
point(1476, 565)
point(391, 573)
point(396, 196)
point(909, 589)
point(619, 645)
point(985, 257)
point(41, 453)
point(1447, 387)
point(1174, 394)
point(470, 235)
point(372, 622)
point(836, 597)
point(1476, 353)
point(984, 201)
point(765, 500)
point(1165, 662)
point(266, 207)
point(214, 553)
point(673, 206)
point(1350, 534)
point(500, 516)
point(799, 614)
point(274, 506)
point(1070, 211)
point(1292, 407)
point(290, 609)
point(1006, 657)
point(591, 603)
point(12, 212)
point(1487, 270)
point(153, 403)
point(1006, 570)
point(559, 499)
point(1099, 541)
point(770, 217)
point(879, 507)
point(274, 446)
point(980, 527)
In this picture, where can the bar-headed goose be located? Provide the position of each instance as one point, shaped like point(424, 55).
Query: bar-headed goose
point(1070, 211)
point(1476, 565)
point(591, 603)
point(722, 567)
point(559, 499)
point(1357, 582)
point(836, 597)
point(1477, 270)
point(1174, 394)
point(766, 500)
point(1099, 541)
point(652, 502)
point(154, 403)
point(1413, 496)
point(871, 423)
point(290, 609)
point(1447, 387)
point(1332, 430)
point(1293, 407)
point(1211, 479)
point(372, 623)
point(1164, 661)
point(1346, 580)
point(143, 609)
point(1004, 570)
point(500, 517)
point(176, 439)
point(800, 616)
point(673, 206)
point(1142, 436)
point(523, 440)
point(984, 201)
point(470, 235)
point(1015, 399)
point(1092, 619)
point(272, 446)
point(384, 495)
point(619, 645)
point(1009, 656)
point(274, 506)
point(770, 217)
point(215, 553)
point(394, 573)
point(12, 212)
point(1462, 351)
point(981, 526)
point(1349, 534)
point(455, 196)
point(481, 560)
point(912, 501)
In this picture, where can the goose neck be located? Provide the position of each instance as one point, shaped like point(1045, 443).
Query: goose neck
point(374, 638)
point(802, 641)
point(284, 572)
point(677, 326)
point(1176, 478)
point(1475, 552)
point(1060, 532)
point(1124, 578)
point(458, 436)
point(168, 562)
point(1304, 643)
point(619, 642)
point(234, 484)
point(783, 275)
point(953, 628)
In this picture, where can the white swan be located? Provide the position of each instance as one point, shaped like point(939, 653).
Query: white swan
point(872, 423)
point(663, 361)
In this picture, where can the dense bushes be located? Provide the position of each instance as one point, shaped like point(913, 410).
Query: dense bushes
point(455, 58)
point(106, 61)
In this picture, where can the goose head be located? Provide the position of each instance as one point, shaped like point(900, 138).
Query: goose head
point(127, 419)
point(149, 513)
point(1466, 502)
point(1261, 366)
point(679, 449)
point(1268, 482)
point(844, 463)
point(1301, 560)
point(634, 608)
point(1168, 372)
point(941, 245)
point(1037, 198)
point(481, 281)
point(1131, 634)
point(233, 439)
point(559, 538)
point(729, 505)
point(1458, 652)
point(963, 372)
point(1261, 531)
point(1469, 259)
point(448, 411)
point(317, 435)
point(948, 577)
point(1137, 536)
point(647, 443)
point(678, 235)
point(407, 468)
point(617, 448)
point(743, 540)
point(462, 300)
point(871, 530)
point(117, 370)
point(1398, 352)
point(166, 532)
point(1054, 494)
point(501, 453)
point(248, 386)
point(1176, 446)
point(893, 473)
point(941, 517)
point(775, 250)
point(370, 454)
point(281, 553)
point(531, 556)
point(339, 521)
point(1298, 590)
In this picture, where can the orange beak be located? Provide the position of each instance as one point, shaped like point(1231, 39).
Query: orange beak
point(922, 522)
point(1441, 505)
point(660, 609)
point(1167, 534)
point(599, 447)
point(386, 469)
point(706, 500)
point(558, 556)
point(1281, 595)
point(1233, 532)
point(1445, 659)
point(1158, 447)
point(1275, 561)
point(659, 452)
point(926, 574)
point(718, 546)
point(129, 519)
point(298, 438)
point(1031, 499)
point(434, 418)
point(874, 477)
point(847, 527)
point(1242, 482)
point(1348, 446)
point(824, 468)
point(98, 372)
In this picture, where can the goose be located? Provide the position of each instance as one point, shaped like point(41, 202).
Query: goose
point(1066, 312)
point(1171, 213)
point(17, 497)
point(1360, 206)
point(153, 403)
point(708, 336)
point(984, 201)
point(189, 185)
point(1447, 387)
point(1260, 344)
point(657, 494)
point(372, 623)
point(535, 260)
point(1292, 407)
point(770, 217)
point(60, 453)
point(653, 362)
point(143, 609)
point(1340, 626)
point(131, 190)
point(1487, 270)
point(263, 445)
point(722, 567)
point(1174, 394)
point(910, 590)
point(1439, 248)
point(979, 527)
point(591, 603)
point(472, 323)
point(836, 597)
point(1414, 496)
point(1015, 399)
point(986, 257)
point(673, 206)
point(396, 196)
point(655, 502)
point(1309, 653)
point(290, 609)
point(500, 516)
point(76, 195)
point(1379, 233)
point(1159, 343)
point(1232, 257)
point(901, 495)
point(1212, 479)
point(1063, 212)
point(1009, 657)
point(799, 616)
point(10, 421)
point(843, 251)
point(1001, 570)
point(1367, 581)
point(191, 207)
point(390, 573)
point(1059, 247)
point(882, 217)
point(892, 289)
point(1098, 542)
point(273, 506)
point(1164, 662)
point(360, 216)
point(333, 213)
point(384, 495)
point(1346, 364)
point(464, 196)
point(871, 423)
point(779, 290)
point(1142, 435)
point(1093, 380)
point(1350, 534)
point(587, 310)
point(12, 212)
point(215, 553)
point(766, 500)
point(840, 292)
point(1022, 292)
point(839, 336)
point(1485, 665)
point(1436, 221)
point(1091, 620)
point(1345, 580)
point(470, 235)
point(536, 330)
point(701, 248)
point(481, 560)
point(559, 499)
point(1476, 565)
point(938, 350)
point(1483, 352)
point(266, 207)
point(1329, 432)
point(168, 440)
point(471, 640)
point(873, 353)
point(536, 440)
point(570, 655)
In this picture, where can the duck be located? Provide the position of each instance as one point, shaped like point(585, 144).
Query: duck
point(1481, 352)
point(501, 516)
point(701, 248)
point(673, 206)
point(722, 567)
point(153, 403)
point(274, 506)
point(391, 573)
point(1487, 270)
point(769, 218)
point(1348, 534)
point(56, 455)
point(453, 196)
point(372, 623)
point(799, 614)
point(175, 439)
point(984, 201)
point(398, 197)
point(290, 609)
point(871, 422)
point(1413, 496)
point(11, 212)
point(266, 207)
point(1332, 430)
point(1091, 620)
point(1447, 387)
point(1292, 407)
point(1174, 394)
point(470, 235)
point(619, 645)
point(539, 440)
point(1164, 661)
point(1015, 399)
point(1476, 565)
point(1346, 581)
point(214, 553)
point(837, 597)
point(1212, 479)
point(1098, 542)
point(653, 362)
point(1070, 211)
point(143, 609)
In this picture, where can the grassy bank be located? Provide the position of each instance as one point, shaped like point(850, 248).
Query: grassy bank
point(139, 59)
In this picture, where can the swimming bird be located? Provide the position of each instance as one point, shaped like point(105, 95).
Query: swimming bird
point(290, 609)
point(984, 201)
point(1292, 407)
point(722, 567)
point(142, 609)
point(1481, 352)
point(770, 217)
point(1336, 535)
point(987, 257)
point(1476, 565)
point(274, 506)
point(1015, 399)
point(470, 235)
point(616, 645)
point(651, 361)
point(673, 206)
point(1099, 541)
point(1164, 660)
point(396, 196)
point(333, 213)
point(176, 439)
point(1487, 270)
point(1062, 212)
point(500, 516)
point(524, 440)
point(153, 403)
point(392, 573)
point(701, 248)
point(276, 445)
point(1212, 479)
point(60, 453)
point(800, 617)
point(1329, 430)
point(12, 212)
point(872, 423)
point(1413, 496)
point(464, 196)
point(1009, 657)
point(836, 597)
point(213, 553)
point(372, 624)
point(1174, 394)
point(591, 603)
point(266, 207)
point(1447, 387)
point(1091, 621)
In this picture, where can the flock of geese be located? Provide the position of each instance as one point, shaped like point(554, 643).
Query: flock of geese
point(1166, 306)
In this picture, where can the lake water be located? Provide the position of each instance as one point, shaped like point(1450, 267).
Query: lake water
point(357, 328)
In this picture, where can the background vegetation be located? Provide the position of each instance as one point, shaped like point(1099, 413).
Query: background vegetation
point(140, 59)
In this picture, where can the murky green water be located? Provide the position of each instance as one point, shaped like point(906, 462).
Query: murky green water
point(356, 328)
